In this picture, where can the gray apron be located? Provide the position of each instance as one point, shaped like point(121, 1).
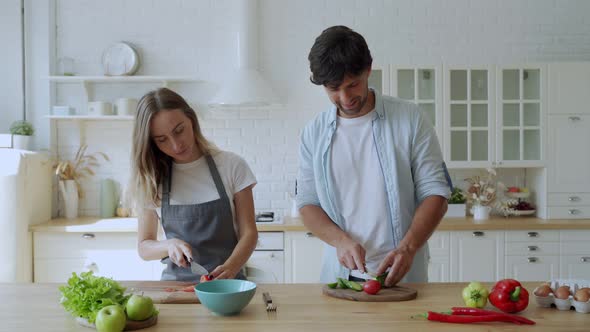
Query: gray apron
point(207, 227)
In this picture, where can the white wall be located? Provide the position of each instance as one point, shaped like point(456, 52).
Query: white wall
point(196, 38)
point(11, 101)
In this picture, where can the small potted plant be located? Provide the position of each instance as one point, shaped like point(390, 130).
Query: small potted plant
point(21, 134)
point(70, 172)
point(456, 204)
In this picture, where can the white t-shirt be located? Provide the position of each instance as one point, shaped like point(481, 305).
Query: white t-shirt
point(192, 183)
point(359, 188)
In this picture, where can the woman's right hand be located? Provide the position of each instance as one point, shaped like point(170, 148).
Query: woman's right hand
point(179, 251)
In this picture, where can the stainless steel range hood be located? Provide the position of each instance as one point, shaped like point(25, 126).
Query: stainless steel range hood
point(245, 86)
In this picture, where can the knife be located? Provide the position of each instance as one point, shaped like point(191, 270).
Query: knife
point(197, 268)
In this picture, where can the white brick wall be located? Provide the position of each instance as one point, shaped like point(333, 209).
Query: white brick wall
point(182, 37)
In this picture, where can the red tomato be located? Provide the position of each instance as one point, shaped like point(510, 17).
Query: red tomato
point(372, 287)
point(205, 278)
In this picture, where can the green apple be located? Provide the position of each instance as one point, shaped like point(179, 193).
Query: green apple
point(139, 307)
point(111, 319)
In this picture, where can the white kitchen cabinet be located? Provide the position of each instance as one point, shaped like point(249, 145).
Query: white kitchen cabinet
point(303, 257)
point(532, 255)
point(575, 254)
point(439, 261)
point(267, 263)
point(569, 84)
point(469, 121)
point(532, 268)
point(569, 154)
point(520, 115)
point(114, 255)
point(476, 255)
point(423, 86)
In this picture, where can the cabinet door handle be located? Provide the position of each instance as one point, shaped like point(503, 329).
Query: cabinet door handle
point(573, 211)
point(478, 234)
point(573, 198)
point(574, 118)
point(532, 259)
point(533, 248)
point(309, 234)
point(88, 236)
point(585, 259)
point(533, 234)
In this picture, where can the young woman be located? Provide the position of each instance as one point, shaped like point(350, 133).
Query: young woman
point(202, 196)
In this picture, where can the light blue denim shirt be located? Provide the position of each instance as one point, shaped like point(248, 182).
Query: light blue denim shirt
point(412, 165)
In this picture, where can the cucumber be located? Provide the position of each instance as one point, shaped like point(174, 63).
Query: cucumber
point(333, 285)
point(342, 283)
point(355, 286)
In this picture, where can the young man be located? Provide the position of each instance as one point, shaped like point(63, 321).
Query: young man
point(372, 179)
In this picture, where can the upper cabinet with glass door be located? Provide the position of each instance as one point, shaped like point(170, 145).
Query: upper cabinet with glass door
point(379, 78)
point(423, 86)
point(520, 116)
point(469, 117)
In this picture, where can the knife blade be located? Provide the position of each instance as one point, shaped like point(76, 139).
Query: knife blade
point(197, 268)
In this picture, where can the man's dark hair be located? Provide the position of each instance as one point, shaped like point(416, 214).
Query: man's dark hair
point(337, 52)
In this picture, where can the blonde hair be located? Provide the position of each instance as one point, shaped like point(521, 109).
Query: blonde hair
point(149, 165)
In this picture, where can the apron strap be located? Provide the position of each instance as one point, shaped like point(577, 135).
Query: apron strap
point(216, 177)
point(166, 186)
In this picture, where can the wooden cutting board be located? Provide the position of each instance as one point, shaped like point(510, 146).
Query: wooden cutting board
point(157, 290)
point(392, 294)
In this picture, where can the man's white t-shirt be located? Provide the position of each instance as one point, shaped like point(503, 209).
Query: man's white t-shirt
point(192, 183)
point(359, 188)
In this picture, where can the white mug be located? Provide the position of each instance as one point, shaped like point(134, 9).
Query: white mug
point(96, 108)
point(126, 106)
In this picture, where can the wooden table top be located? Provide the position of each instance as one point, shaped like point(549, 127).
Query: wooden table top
point(301, 307)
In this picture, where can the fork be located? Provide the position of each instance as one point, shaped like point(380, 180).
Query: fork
point(270, 307)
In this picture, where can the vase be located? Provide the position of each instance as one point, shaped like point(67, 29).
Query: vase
point(21, 142)
point(108, 198)
point(69, 192)
point(481, 212)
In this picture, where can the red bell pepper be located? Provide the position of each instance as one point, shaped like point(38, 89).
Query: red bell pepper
point(509, 296)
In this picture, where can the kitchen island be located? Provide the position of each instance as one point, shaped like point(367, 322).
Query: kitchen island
point(301, 307)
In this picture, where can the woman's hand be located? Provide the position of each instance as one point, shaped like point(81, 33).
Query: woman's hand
point(180, 252)
point(225, 271)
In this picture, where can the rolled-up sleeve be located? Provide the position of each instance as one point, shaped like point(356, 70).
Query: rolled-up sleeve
point(428, 167)
point(306, 189)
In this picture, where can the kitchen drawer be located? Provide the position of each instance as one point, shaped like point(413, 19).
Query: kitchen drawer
point(575, 235)
point(270, 241)
point(532, 235)
point(576, 248)
point(79, 245)
point(568, 199)
point(438, 244)
point(532, 248)
point(569, 212)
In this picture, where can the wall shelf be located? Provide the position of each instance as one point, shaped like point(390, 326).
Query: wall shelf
point(121, 79)
point(93, 118)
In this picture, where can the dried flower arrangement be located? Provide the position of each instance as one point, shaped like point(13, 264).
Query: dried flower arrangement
point(79, 168)
point(482, 189)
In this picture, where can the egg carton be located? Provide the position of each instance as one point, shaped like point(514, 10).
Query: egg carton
point(564, 304)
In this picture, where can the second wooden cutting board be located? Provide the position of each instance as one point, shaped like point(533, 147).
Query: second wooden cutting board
point(392, 294)
point(163, 292)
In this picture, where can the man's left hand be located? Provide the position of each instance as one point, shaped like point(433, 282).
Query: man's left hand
point(400, 260)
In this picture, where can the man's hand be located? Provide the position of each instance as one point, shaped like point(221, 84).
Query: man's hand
point(351, 254)
point(400, 260)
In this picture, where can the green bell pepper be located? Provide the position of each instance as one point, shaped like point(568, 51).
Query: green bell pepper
point(475, 295)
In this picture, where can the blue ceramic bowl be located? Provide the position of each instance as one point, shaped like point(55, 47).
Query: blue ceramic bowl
point(225, 296)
